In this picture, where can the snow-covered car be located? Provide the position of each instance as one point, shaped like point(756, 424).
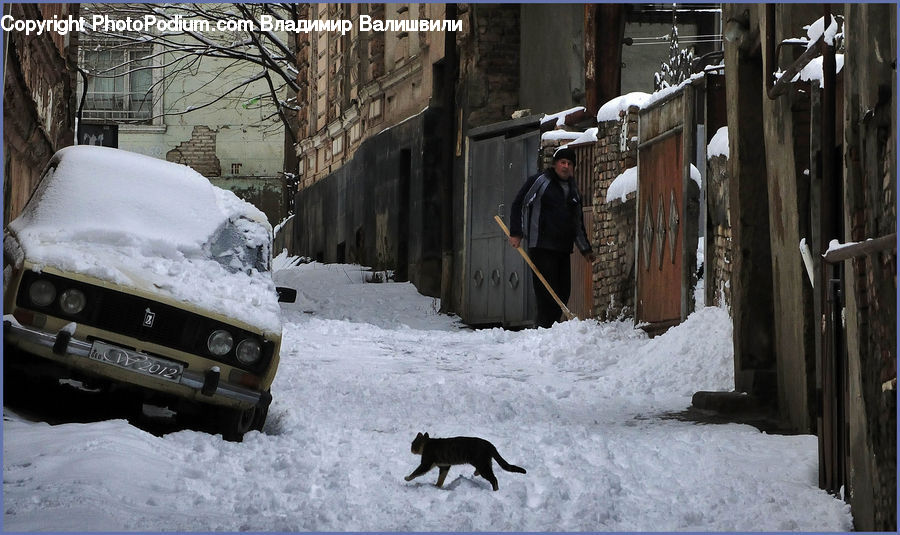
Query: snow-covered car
point(129, 273)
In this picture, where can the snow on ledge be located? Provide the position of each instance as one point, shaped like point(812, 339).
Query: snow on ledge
point(610, 110)
point(718, 145)
point(560, 117)
point(560, 135)
point(622, 185)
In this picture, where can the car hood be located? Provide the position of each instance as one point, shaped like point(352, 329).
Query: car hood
point(143, 223)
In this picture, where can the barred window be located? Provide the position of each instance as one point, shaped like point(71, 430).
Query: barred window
point(119, 82)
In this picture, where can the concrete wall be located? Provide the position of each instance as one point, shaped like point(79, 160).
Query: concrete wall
point(751, 284)
point(376, 210)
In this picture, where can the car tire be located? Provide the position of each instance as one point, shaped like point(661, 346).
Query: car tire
point(234, 423)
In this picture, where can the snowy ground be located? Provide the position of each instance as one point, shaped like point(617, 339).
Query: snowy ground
point(366, 366)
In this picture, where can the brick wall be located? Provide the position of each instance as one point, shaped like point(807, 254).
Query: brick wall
point(614, 220)
point(491, 78)
point(199, 152)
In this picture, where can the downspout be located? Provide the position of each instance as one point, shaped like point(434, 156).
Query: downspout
point(831, 219)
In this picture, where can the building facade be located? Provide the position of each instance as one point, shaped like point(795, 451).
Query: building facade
point(157, 99)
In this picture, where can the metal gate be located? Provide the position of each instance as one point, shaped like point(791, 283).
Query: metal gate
point(666, 215)
point(498, 283)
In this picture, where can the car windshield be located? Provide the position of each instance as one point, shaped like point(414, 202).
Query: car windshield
point(241, 245)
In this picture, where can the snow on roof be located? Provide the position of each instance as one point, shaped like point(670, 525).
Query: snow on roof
point(560, 117)
point(718, 145)
point(146, 223)
point(610, 110)
point(560, 135)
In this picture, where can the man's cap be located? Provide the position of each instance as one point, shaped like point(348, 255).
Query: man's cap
point(565, 153)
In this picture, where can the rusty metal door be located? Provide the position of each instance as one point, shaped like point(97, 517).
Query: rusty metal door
point(667, 226)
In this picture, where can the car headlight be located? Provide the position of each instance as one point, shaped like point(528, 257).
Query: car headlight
point(42, 292)
point(248, 351)
point(72, 301)
point(220, 342)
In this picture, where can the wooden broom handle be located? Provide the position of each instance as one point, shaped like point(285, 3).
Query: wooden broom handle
point(537, 272)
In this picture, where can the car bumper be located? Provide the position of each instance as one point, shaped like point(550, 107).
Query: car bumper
point(62, 345)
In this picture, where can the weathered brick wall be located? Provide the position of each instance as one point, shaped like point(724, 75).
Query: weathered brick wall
point(717, 256)
point(614, 220)
point(199, 152)
point(39, 102)
point(491, 79)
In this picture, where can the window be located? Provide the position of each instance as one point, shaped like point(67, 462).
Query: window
point(119, 82)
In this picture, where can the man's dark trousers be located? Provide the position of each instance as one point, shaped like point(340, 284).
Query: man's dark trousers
point(554, 266)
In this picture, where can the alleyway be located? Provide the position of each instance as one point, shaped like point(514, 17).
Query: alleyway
point(365, 366)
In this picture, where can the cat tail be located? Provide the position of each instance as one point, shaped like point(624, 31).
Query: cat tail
point(505, 465)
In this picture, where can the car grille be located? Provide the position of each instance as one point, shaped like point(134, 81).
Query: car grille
point(128, 314)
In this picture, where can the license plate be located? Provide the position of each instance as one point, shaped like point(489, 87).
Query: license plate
point(136, 362)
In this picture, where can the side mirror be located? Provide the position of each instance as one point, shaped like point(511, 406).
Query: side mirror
point(286, 295)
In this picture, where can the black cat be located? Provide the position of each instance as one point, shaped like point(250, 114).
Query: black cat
point(444, 452)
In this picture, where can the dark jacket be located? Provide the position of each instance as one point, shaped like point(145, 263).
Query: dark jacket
point(547, 218)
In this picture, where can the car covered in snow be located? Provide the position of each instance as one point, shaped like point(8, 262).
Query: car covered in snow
point(131, 274)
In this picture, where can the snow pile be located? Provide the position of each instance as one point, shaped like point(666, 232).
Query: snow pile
point(103, 194)
point(146, 223)
point(584, 407)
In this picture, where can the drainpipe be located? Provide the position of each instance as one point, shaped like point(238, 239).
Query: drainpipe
point(831, 219)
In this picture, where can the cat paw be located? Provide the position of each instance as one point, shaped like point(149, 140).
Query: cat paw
point(408, 478)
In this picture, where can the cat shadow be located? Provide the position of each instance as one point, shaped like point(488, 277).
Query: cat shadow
point(468, 482)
